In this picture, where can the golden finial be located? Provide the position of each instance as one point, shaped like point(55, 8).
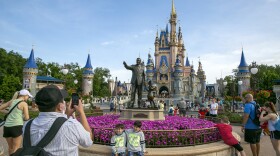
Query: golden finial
point(173, 8)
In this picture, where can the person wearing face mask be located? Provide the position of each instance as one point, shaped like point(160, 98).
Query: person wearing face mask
point(12, 131)
point(70, 135)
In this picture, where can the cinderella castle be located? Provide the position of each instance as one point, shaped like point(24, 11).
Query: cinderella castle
point(170, 70)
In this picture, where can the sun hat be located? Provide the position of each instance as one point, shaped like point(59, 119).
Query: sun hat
point(25, 92)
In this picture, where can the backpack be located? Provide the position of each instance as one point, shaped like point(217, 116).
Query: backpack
point(256, 119)
point(277, 124)
point(38, 150)
point(170, 110)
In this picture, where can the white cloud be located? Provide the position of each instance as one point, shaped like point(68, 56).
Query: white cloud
point(107, 43)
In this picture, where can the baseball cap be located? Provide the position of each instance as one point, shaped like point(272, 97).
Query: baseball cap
point(49, 97)
point(25, 92)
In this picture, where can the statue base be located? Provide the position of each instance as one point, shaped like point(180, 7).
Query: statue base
point(142, 114)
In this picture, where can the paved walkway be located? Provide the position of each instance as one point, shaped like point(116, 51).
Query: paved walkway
point(266, 147)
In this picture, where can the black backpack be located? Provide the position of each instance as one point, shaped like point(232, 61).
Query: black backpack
point(256, 120)
point(38, 150)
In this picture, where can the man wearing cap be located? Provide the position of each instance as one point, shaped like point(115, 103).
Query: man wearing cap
point(12, 131)
point(71, 134)
point(182, 107)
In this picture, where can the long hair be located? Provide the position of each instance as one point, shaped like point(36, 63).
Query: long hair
point(271, 106)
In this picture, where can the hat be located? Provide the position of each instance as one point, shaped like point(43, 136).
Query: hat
point(49, 97)
point(25, 92)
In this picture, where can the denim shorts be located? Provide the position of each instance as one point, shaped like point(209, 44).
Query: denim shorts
point(139, 153)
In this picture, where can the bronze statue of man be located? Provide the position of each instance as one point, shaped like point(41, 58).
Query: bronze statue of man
point(137, 81)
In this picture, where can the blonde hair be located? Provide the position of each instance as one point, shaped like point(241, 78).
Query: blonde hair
point(15, 96)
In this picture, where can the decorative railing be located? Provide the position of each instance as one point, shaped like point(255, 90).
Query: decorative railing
point(165, 138)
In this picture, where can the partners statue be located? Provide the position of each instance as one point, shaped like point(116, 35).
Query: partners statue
point(151, 88)
point(137, 81)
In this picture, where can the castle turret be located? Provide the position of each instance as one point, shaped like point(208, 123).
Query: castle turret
point(178, 76)
point(202, 77)
point(30, 71)
point(87, 77)
point(173, 39)
point(150, 68)
point(243, 75)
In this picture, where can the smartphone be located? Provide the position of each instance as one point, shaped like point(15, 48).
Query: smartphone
point(75, 99)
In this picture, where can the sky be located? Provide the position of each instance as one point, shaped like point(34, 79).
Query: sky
point(113, 31)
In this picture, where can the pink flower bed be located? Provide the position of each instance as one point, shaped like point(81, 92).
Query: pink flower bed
point(173, 131)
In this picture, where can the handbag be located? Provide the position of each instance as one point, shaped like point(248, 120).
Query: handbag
point(2, 121)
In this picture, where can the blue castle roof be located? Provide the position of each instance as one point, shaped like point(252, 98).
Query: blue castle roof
point(187, 62)
point(48, 78)
point(88, 64)
point(31, 61)
point(166, 29)
point(243, 61)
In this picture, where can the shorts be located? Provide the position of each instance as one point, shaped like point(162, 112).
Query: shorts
point(139, 153)
point(252, 136)
point(182, 111)
point(12, 132)
point(213, 115)
point(238, 147)
point(119, 154)
point(275, 135)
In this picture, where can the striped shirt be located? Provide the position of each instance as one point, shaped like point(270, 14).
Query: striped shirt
point(69, 137)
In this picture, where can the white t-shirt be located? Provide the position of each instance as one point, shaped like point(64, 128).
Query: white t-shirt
point(212, 107)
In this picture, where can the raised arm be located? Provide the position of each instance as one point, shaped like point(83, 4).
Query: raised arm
point(5, 105)
point(126, 66)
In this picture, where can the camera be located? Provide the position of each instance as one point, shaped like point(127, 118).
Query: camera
point(75, 99)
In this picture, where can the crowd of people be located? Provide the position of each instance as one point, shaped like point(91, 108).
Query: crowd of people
point(73, 133)
point(52, 107)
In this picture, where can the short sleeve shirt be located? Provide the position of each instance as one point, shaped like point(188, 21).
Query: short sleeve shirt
point(250, 109)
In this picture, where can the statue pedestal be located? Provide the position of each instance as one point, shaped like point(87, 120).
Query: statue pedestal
point(142, 114)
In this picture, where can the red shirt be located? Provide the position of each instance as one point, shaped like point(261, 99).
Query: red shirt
point(225, 131)
point(202, 113)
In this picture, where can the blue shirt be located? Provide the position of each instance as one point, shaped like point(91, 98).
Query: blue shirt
point(249, 108)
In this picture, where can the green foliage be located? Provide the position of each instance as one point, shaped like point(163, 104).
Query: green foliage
point(233, 117)
point(100, 86)
point(9, 86)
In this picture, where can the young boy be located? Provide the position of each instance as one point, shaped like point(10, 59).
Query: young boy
point(226, 133)
point(136, 140)
point(118, 141)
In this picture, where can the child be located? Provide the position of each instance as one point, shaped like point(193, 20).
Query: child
point(202, 112)
point(176, 110)
point(226, 133)
point(170, 110)
point(118, 141)
point(136, 140)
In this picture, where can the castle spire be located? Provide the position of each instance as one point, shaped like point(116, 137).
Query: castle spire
point(88, 64)
point(187, 62)
point(31, 61)
point(166, 29)
point(173, 12)
point(243, 61)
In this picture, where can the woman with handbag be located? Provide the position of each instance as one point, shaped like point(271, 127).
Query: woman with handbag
point(18, 112)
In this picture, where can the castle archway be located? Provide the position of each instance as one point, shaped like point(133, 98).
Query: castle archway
point(163, 91)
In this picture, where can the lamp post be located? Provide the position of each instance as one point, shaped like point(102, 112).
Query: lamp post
point(254, 70)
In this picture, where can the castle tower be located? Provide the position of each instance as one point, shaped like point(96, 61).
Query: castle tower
point(202, 77)
point(243, 74)
point(173, 39)
point(30, 71)
point(111, 85)
point(150, 68)
point(178, 76)
point(87, 78)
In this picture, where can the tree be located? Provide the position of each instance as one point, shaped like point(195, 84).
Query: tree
point(100, 86)
point(9, 86)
